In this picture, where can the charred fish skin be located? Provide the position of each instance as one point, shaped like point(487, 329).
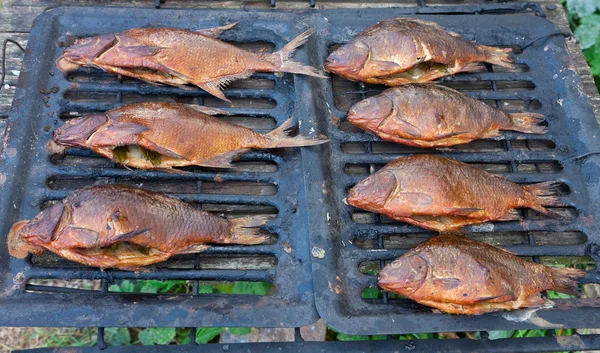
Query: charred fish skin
point(118, 226)
point(428, 115)
point(172, 56)
point(160, 135)
point(459, 275)
point(406, 50)
point(444, 195)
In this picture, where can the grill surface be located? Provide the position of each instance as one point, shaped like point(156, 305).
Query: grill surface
point(349, 245)
point(263, 183)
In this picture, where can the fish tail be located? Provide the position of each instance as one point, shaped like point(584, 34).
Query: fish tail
point(285, 64)
point(280, 137)
point(564, 280)
point(497, 56)
point(17, 247)
point(545, 193)
point(246, 230)
point(528, 123)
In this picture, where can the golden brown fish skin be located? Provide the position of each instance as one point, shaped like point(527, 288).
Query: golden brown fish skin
point(391, 52)
point(459, 275)
point(105, 226)
point(182, 134)
point(177, 57)
point(444, 195)
point(428, 115)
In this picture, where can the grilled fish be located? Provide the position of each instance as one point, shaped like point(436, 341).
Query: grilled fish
point(427, 115)
point(177, 57)
point(162, 135)
point(404, 50)
point(444, 195)
point(117, 226)
point(459, 275)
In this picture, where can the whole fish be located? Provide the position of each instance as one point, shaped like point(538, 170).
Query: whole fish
point(160, 135)
point(427, 115)
point(177, 57)
point(404, 50)
point(444, 195)
point(459, 275)
point(118, 226)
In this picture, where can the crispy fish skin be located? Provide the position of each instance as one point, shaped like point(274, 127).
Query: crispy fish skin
point(403, 50)
point(459, 275)
point(428, 115)
point(118, 226)
point(181, 135)
point(444, 195)
point(177, 57)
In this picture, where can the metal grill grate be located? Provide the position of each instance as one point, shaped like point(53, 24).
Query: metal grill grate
point(359, 243)
point(262, 183)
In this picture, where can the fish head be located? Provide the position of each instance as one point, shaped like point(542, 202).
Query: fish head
point(405, 275)
point(369, 113)
point(40, 230)
point(84, 51)
point(76, 132)
point(373, 192)
point(348, 59)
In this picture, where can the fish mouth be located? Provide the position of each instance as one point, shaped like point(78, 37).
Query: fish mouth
point(66, 65)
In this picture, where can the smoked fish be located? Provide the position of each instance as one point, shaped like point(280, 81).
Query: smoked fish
point(118, 226)
point(459, 275)
point(159, 135)
point(178, 57)
point(397, 51)
point(444, 195)
point(428, 115)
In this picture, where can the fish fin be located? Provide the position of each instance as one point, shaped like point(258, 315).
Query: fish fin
point(215, 32)
point(464, 211)
point(208, 110)
point(194, 249)
point(527, 122)
point(77, 237)
point(473, 67)
point(17, 247)
point(149, 145)
point(544, 194)
point(280, 137)
point(511, 215)
point(215, 87)
point(127, 236)
point(118, 134)
point(245, 230)
point(497, 56)
point(446, 283)
point(385, 68)
point(139, 51)
point(563, 279)
point(222, 160)
point(396, 125)
point(399, 200)
point(282, 62)
point(172, 170)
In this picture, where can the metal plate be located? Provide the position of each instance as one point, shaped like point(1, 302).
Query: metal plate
point(265, 182)
point(350, 245)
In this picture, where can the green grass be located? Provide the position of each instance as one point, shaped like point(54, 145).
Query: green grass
point(584, 18)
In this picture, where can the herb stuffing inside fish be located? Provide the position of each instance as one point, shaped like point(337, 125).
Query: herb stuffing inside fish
point(444, 195)
point(178, 57)
point(117, 226)
point(404, 50)
point(160, 135)
point(428, 115)
point(459, 275)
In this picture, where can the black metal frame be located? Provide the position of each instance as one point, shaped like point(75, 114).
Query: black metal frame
point(572, 127)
